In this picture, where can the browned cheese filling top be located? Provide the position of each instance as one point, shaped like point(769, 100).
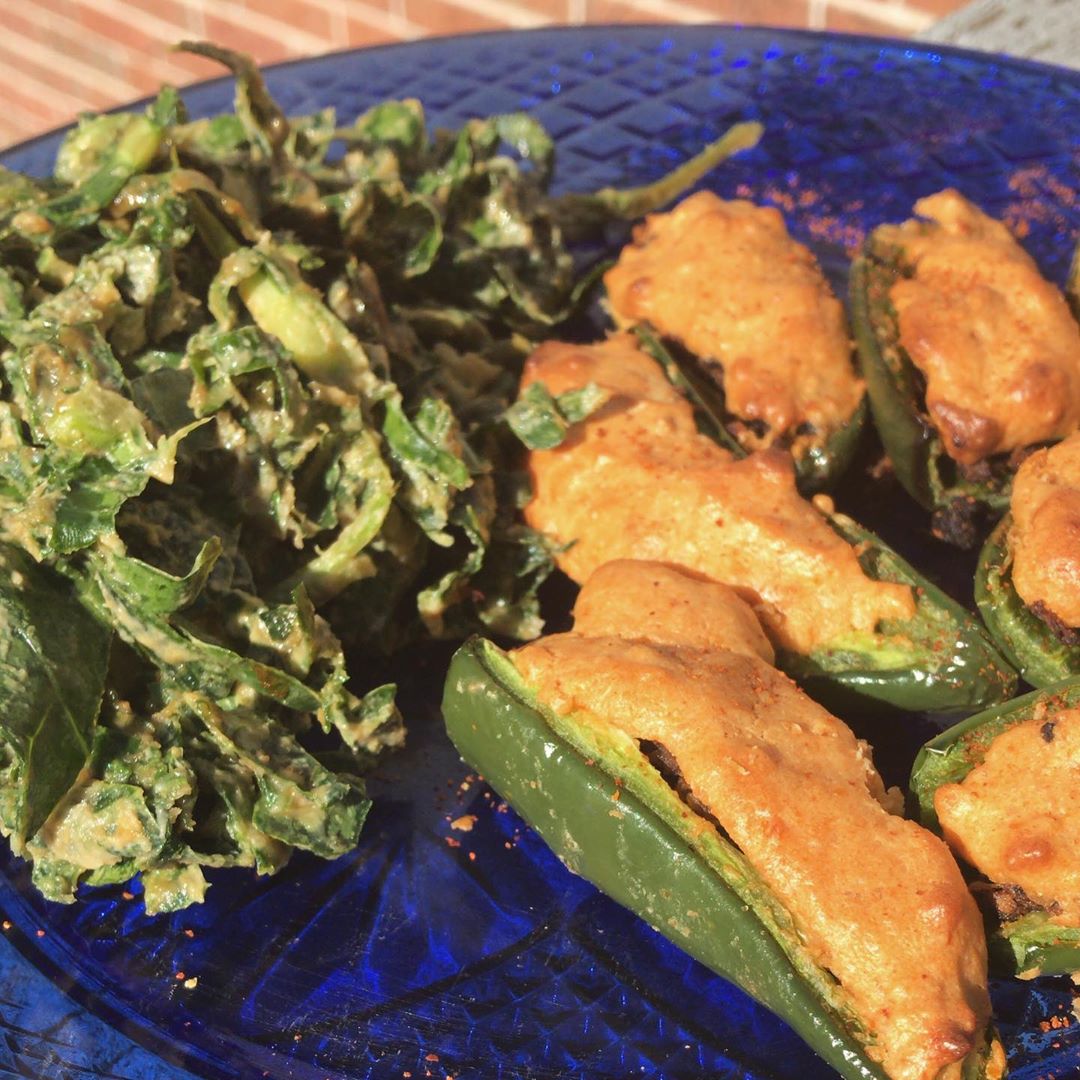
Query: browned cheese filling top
point(1012, 816)
point(637, 480)
point(876, 900)
point(994, 339)
point(727, 281)
point(1044, 539)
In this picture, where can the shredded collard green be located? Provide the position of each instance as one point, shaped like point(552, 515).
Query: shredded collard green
point(255, 416)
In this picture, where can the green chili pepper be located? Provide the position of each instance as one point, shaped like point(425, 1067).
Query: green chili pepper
point(584, 215)
point(940, 660)
point(817, 469)
point(1029, 945)
point(1021, 635)
point(897, 402)
point(649, 851)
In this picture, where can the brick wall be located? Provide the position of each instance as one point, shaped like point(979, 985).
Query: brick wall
point(60, 57)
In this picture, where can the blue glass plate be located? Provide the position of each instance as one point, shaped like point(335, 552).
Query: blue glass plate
point(437, 952)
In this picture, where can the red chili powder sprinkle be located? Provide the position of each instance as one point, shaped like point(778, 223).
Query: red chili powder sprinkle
point(1042, 198)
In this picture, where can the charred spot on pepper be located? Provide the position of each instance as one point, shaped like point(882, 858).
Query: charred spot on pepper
point(1067, 635)
point(977, 472)
point(665, 763)
point(758, 428)
point(957, 522)
point(1007, 902)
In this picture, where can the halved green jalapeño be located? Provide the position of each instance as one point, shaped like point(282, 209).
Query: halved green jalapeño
point(817, 467)
point(593, 794)
point(1040, 656)
point(939, 660)
point(1024, 939)
point(896, 391)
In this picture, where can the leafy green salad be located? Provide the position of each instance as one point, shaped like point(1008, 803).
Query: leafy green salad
point(255, 417)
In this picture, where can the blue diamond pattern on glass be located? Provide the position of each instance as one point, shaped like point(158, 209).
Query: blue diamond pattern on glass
point(409, 956)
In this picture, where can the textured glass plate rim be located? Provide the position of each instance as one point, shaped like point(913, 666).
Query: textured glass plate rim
point(95, 996)
point(438, 40)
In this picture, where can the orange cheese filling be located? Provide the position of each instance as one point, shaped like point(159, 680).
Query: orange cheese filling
point(637, 480)
point(877, 900)
point(625, 594)
point(1044, 539)
point(727, 281)
point(994, 339)
point(1012, 816)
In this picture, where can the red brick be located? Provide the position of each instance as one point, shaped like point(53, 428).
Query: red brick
point(938, 8)
point(848, 22)
point(148, 73)
point(101, 26)
point(70, 40)
point(29, 115)
point(358, 32)
point(49, 114)
point(10, 134)
point(70, 92)
point(312, 18)
point(556, 11)
point(147, 60)
point(14, 22)
point(237, 36)
point(770, 13)
point(614, 11)
point(184, 16)
point(446, 17)
point(194, 67)
point(760, 13)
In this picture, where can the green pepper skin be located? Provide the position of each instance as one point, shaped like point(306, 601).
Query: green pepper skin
point(953, 666)
point(634, 857)
point(822, 466)
point(1022, 636)
point(817, 470)
point(896, 399)
point(958, 668)
point(637, 854)
point(1030, 945)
